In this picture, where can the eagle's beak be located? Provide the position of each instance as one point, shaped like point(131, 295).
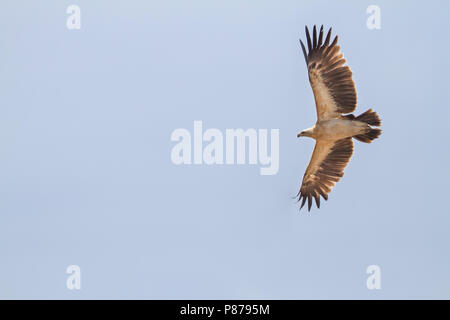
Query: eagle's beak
point(300, 134)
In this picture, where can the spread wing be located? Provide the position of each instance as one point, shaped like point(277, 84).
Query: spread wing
point(325, 169)
point(331, 81)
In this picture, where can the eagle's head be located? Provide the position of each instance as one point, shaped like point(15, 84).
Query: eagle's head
point(306, 133)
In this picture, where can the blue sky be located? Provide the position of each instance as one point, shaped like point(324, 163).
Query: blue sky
point(86, 178)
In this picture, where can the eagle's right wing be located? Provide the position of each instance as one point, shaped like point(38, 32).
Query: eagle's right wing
point(331, 81)
point(325, 169)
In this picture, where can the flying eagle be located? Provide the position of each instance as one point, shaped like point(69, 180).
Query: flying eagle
point(335, 97)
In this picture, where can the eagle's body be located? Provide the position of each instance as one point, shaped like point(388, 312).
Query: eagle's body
point(335, 97)
point(336, 129)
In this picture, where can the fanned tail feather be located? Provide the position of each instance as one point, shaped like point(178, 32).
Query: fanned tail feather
point(369, 136)
point(369, 117)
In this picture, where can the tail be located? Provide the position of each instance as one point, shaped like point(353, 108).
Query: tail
point(370, 135)
point(370, 117)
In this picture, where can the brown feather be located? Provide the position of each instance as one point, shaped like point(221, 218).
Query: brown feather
point(320, 177)
point(327, 72)
point(308, 39)
point(369, 117)
point(319, 42)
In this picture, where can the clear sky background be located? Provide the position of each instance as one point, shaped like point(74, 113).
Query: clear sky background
point(85, 172)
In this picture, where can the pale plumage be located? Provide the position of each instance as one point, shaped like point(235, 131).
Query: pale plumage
point(334, 95)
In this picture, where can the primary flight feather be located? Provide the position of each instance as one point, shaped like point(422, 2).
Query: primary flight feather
point(335, 97)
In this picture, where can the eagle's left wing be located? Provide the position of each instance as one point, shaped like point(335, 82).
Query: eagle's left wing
point(331, 80)
point(325, 169)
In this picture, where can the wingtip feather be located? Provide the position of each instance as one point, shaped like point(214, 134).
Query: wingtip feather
point(304, 51)
point(303, 201)
point(319, 42)
point(308, 38)
point(314, 37)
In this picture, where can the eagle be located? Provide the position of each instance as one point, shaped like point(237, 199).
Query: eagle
point(335, 97)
